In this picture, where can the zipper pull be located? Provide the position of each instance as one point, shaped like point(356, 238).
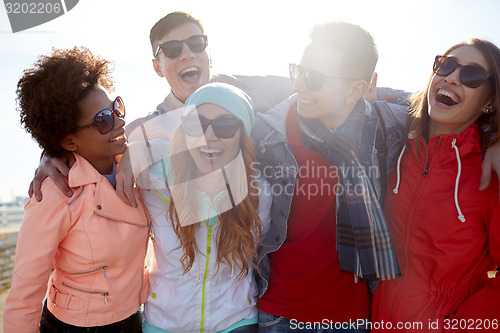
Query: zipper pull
point(151, 233)
point(105, 298)
point(209, 236)
point(425, 172)
point(104, 271)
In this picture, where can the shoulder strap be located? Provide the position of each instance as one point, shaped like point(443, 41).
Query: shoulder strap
point(380, 144)
point(376, 106)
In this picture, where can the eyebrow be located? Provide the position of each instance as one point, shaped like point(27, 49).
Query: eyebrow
point(472, 63)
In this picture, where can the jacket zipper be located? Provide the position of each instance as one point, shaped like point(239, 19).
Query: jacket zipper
point(150, 225)
point(92, 271)
point(118, 220)
point(207, 260)
point(105, 294)
point(152, 237)
point(409, 228)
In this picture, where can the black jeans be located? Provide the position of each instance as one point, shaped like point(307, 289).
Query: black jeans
point(50, 324)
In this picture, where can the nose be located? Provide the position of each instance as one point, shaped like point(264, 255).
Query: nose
point(453, 77)
point(300, 84)
point(186, 52)
point(119, 122)
point(209, 134)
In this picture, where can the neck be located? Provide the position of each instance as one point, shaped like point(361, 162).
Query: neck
point(335, 120)
point(180, 100)
point(212, 184)
point(436, 129)
point(104, 167)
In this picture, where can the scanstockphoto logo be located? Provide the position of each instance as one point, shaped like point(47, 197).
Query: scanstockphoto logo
point(28, 14)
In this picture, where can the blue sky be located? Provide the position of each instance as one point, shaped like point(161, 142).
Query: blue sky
point(256, 37)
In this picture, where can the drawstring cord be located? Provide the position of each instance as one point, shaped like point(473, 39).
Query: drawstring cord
point(398, 171)
point(460, 215)
point(457, 181)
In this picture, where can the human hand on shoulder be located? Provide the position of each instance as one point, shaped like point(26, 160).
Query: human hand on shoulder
point(491, 163)
point(55, 168)
point(125, 180)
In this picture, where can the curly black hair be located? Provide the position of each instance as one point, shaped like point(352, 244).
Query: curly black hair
point(48, 93)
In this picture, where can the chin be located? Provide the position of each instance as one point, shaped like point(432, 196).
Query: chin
point(305, 114)
point(120, 150)
point(205, 168)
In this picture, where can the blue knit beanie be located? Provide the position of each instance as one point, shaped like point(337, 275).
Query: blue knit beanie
point(227, 96)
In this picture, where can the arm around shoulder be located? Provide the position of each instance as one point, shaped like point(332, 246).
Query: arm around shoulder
point(55, 168)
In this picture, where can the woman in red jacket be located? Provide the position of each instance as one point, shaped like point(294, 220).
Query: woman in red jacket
point(445, 231)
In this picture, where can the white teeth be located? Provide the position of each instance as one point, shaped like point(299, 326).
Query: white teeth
point(210, 150)
point(306, 101)
point(449, 94)
point(210, 157)
point(118, 138)
point(210, 153)
point(189, 69)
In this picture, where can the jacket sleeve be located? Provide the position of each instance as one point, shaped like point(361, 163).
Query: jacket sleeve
point(395, 96)
point(264, 91)
point(44, 225)
point(265, 203)
point(481, 310)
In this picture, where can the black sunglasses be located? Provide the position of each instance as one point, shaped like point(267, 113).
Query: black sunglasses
point(173, 48)
point(471, 76)
point(223, 127)
point(104, 120)
point(314, 80)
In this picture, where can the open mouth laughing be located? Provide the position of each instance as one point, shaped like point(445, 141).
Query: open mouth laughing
point(190, 73)
point(118, 138)
point(210, 153)
point(447, 98)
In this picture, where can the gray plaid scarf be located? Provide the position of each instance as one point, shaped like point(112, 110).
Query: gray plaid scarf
point(364, 243)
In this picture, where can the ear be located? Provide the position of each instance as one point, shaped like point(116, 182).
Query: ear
point(356, 91)
point(70, 143)
point(157, 68)
point(488, 108)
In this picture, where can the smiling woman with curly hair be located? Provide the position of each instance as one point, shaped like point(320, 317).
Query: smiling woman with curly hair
point(95, 242)
point(49, 92)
